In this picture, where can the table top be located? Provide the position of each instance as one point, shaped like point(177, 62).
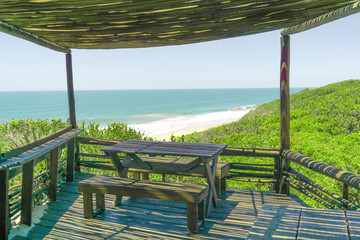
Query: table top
point(205, 150)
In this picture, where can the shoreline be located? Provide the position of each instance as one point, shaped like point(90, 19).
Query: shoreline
point(182, 125)
point(167, 136)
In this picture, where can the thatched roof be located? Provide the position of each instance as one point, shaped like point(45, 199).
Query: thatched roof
point(97, 24)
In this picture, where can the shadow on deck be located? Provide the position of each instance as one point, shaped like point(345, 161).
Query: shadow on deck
point(154, 219)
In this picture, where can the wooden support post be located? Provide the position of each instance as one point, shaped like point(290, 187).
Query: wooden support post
point(192, 217)
point(70, 88)
point(77, 158)
point(70, 161)
point(52, 190)
point(26, 192)
point(277, 168)
point(4, 204)
point(285, 105)
point(88, 205)
point(346, 191)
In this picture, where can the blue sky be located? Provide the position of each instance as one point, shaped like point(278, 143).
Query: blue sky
point(327, 54)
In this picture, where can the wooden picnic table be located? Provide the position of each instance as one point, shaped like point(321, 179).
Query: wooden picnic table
point(206, 153)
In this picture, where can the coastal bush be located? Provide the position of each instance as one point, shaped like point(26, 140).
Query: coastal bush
point(324, 126)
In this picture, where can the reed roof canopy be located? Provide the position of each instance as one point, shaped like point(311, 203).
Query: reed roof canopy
point(107, 24)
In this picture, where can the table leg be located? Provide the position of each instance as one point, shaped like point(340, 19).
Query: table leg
point(210, 175)
point(122, 172)
point(118, 166)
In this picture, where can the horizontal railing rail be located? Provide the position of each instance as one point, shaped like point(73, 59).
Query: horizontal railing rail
point(315, 191)
point(17, 199)
point(264, 173)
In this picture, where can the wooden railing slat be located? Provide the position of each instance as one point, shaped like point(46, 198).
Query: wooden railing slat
point(52, 190)
point(323, 168)
point(39, 150)
point(26, 192)
point(17, 151)
point(70, 160)
point(4, 204)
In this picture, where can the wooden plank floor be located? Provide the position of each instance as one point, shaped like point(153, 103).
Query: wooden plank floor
point(284, 222)
point(152, 219)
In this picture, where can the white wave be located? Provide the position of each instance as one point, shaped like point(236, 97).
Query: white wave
point(190, 122)
point(154, 115)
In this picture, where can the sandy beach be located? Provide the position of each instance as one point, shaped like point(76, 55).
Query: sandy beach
point(186, 124)
point(167, 136)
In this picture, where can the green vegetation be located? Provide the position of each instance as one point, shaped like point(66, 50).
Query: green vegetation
point(325, 125)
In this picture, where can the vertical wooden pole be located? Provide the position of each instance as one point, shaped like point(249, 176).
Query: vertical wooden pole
point(70, 161)
point(26, 192)
point(285, 104)
point(346, 191)
point(52, 190)
point(70, 86)
point(77, 158)
point(4, 204)
point(277, 168)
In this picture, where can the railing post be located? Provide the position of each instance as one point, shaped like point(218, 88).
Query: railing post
point(26, 192)
point(346, 191)
point(52, 190)
point(285, 106)
point(277, 167)
point(70, 87)
point(70, 160)
point(77, 157)
point(4, 204)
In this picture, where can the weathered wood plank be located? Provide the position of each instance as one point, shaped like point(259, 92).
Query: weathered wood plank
point(275, 222)
point(39, 150)
point(322, 224)
point(70, 166)
point(53, 168)
point(4, 204)
point(139, 218)
point(353, 218)
point(144, 189)
point(164, 165)
point(285, 105)
point(167, 148)
point(16, 151)
point(26, 192)
point(70, 90)
point(323, 168)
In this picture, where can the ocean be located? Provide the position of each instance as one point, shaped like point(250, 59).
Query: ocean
point(154, 112)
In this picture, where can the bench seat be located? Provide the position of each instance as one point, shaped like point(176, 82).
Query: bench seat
point(192, 194)
point(161, 165)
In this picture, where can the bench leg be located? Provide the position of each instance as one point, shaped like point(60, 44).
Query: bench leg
point(136, 175)
point(145, 176)
point(118, 199)
point(88, 205)
point(100, 203)
point(192, 217)
point(218, 185)
point(223, 184)
point(201, 209)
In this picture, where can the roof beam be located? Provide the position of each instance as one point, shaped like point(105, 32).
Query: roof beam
point(325, 18)
point(14, 31)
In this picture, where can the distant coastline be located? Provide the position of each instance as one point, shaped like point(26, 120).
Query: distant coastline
point(154, 112)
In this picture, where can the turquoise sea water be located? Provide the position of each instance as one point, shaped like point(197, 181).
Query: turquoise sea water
point(135, 107)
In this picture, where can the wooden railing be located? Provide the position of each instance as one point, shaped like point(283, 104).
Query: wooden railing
point(239, 171)
point(272, 173)
point(318, 193)
point(17, 198)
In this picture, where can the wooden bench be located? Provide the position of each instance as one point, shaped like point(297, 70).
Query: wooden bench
point(192, 194)
point(178, 166)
